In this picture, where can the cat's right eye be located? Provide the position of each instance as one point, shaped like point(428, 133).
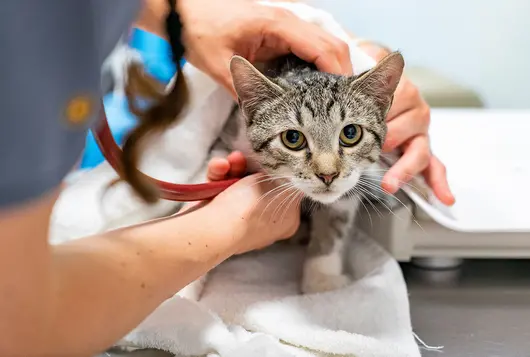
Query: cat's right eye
point(293, 140)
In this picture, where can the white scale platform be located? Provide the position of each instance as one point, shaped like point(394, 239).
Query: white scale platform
point(487, 155)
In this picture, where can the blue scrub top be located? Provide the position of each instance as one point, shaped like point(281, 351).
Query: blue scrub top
point(51, 52)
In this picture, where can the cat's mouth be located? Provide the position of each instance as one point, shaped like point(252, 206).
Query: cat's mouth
point(325, 195)
point(321, 193)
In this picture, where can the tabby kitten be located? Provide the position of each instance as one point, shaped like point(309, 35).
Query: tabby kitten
point(321, 131)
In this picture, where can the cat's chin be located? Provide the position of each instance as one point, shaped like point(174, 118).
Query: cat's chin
point(325, 197)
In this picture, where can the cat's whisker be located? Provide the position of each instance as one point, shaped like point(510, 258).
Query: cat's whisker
point(277, 177)
point(378, 200)
point(353, 195)
point(375, 187)
point(363, 195)
point(262, 181)
point(273, 215)
point(369, 202)
point(375, 171)
point(377, 179)
point(312, 208)
point(380, 189)
point(271, 191)
point(379, 173)
point(298, 195)
point(284, 201)
point(270, 179)
point(361, 190)
point(278, 194)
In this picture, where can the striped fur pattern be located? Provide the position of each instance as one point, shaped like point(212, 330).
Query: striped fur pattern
point(290, 94)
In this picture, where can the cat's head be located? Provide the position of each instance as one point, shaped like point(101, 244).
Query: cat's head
point(318, 130)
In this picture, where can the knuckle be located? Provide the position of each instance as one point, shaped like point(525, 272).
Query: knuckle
point(338, 47)
point(329, 44)
point(278, 13)
point(343, 47)
point(425, 114)
point(443, 169)
point(424, 157)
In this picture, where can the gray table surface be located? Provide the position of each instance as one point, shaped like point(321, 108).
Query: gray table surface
point(479, 310)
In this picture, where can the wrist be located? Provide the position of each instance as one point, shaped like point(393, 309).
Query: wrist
point(229, 227)
point(152, 17)
point(214, 235)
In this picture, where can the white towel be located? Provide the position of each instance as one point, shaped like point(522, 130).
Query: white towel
point(250, 305)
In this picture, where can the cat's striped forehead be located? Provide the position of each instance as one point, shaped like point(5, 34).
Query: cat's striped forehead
point(322, 103)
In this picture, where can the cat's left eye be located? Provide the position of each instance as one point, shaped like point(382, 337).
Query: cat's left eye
point(350, 135)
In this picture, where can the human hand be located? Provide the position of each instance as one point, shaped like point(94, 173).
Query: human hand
point(214, 31)
point(256, 211)
point(408, 130)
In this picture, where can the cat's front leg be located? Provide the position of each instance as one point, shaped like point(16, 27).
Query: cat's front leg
point(324, 264)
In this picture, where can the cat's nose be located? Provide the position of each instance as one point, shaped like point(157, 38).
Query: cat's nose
point(328, 177)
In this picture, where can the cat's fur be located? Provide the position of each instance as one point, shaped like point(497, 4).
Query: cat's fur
point(293, 95)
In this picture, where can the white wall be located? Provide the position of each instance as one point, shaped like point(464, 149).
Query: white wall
point(484, 44)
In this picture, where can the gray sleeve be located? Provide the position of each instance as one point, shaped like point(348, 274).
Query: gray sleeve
point(50, 60)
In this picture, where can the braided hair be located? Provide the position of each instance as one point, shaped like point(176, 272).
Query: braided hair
point(164, 111)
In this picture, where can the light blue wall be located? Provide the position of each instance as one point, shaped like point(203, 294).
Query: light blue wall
point(484, 44)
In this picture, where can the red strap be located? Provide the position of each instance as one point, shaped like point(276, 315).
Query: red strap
point(168, 191)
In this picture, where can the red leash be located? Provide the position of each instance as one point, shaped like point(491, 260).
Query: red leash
point(168, 191)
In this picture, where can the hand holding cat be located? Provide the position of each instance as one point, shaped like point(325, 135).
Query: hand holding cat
point(257, 211)
point(408, 130)
point(216, 30)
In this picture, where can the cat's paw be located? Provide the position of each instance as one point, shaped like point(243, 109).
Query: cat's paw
point(319, 282)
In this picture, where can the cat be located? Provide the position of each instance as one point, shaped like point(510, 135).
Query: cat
point(320, 132)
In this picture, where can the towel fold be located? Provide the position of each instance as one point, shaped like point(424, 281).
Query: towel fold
point(250, 305)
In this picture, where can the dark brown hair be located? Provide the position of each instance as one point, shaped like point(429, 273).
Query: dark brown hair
point(165, 108)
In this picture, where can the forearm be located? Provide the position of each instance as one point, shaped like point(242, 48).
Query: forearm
point(96, 289)
point(152, 17)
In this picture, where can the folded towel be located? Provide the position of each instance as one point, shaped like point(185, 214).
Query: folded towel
point(250, 305)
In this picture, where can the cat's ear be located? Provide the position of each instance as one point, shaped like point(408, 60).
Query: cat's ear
point(251, 86)
point(381, 81)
